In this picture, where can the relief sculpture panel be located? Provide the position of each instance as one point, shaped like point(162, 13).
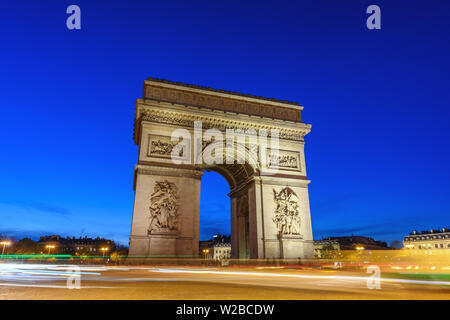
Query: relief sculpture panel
point(287, 160)
point(287, 212)
point(164, 203)
point(162, 146)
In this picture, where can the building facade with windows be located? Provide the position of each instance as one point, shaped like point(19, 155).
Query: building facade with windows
point(221, 251)
point(428, 240)
point(217, 248)
point(326, 248)
point(66, 245)
point(353, 242)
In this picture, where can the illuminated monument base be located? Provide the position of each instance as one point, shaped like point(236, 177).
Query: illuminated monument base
point(270, 216)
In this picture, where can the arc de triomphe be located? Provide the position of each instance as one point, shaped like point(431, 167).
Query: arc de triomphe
point(270, 216)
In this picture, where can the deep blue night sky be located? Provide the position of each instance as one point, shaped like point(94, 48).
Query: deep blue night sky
point(378, 155)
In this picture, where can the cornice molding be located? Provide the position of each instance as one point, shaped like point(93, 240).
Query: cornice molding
point(167, 171)
point(184, 119)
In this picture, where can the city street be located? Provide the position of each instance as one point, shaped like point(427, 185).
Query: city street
point(26, 281)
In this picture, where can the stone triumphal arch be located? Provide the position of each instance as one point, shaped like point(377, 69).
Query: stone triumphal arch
point(270, 216)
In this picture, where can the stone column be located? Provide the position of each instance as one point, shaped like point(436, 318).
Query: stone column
point(276, 245)
point(234, 227)
point(256, 221)
point(183, 240)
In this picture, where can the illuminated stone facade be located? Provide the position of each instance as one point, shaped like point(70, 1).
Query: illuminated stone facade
point(220, 251)
point(270, 216)
point(326, 249)
point(428, 240)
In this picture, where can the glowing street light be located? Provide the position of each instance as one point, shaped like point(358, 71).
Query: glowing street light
point(4, 244)
point(50, 247)
point(104, 249)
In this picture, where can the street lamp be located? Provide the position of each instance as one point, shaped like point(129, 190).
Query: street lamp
point(205, 252)
point(50, 247)
point(104, 250)
point(4, 244)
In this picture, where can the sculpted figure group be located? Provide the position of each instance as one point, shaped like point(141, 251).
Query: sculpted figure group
point(287, 213)
point(164, 208)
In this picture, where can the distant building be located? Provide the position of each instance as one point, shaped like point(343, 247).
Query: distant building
point(221, 251)
point(326, 248)
point(352, 242)
point(428, 240)
point(59, 245)
point(218, 248)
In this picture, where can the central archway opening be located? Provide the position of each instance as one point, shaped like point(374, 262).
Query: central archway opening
point(225, 204)
point(215, 218)
point(224, 212)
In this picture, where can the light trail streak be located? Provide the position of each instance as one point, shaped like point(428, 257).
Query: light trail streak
point(298, 276)
point(12, 274)
point(28, 285)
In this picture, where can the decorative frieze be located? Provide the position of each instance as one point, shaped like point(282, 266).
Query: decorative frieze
point(162, 146)
point(283, 159)
point(223, 103)
point(185, 120)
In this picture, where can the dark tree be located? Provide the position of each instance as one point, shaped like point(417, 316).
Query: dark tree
point(26, 246)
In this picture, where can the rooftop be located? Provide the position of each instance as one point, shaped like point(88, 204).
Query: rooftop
point(431, 231)
point(222, 244)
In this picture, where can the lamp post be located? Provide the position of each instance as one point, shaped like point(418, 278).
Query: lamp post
point(50, 247)
point(4, 244)
point(104, 249)
point(360, 251)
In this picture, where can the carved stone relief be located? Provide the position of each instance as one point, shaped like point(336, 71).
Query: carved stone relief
point(250, 150)
point(221, 103)
point(164, 203)
point(288, 160)
point(287, 212)
point(162, 146)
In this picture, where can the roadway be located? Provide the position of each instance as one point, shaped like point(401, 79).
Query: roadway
point(36, 281)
